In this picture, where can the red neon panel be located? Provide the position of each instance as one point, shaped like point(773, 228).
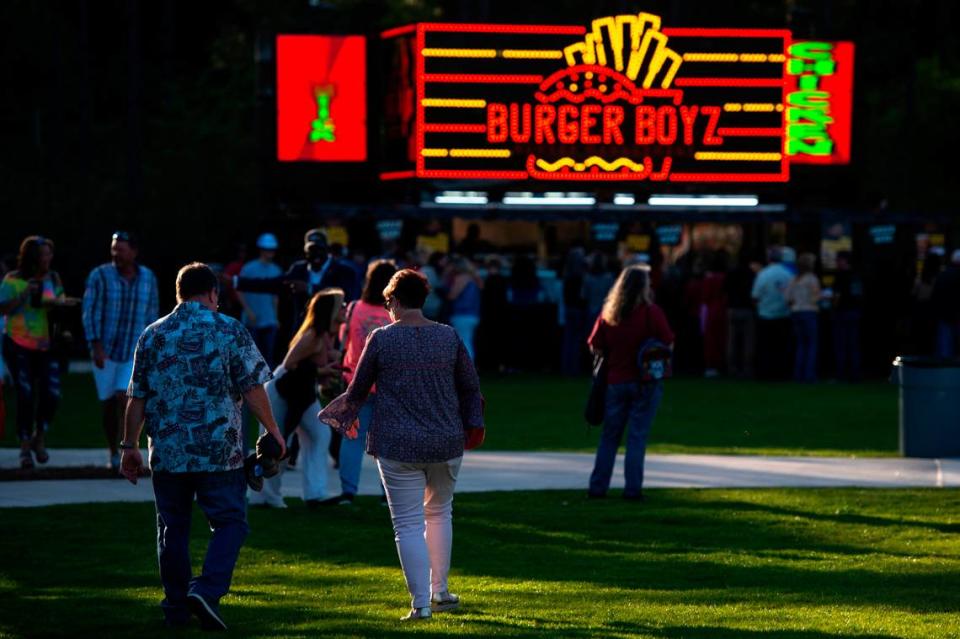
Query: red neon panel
point(729, 82)
point(840, 87)
point(397, 175)
point(421, 32)
point(483, 78)
point(503, 28)
point(454, 128)
point(313, 71)
point(399, 31)
point(725, 131)
point(469, 175)
point(727, 33)
point(730, 177)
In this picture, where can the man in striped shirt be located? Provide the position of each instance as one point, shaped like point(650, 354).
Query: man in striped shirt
point(119, 302)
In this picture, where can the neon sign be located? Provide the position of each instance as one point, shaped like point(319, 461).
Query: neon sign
point(625, 99)
point(820, 102)
point(321, 98)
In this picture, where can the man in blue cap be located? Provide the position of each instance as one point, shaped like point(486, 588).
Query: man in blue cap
point(260, 309)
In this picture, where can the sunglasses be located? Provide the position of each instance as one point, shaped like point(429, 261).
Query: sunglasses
point(121, 236)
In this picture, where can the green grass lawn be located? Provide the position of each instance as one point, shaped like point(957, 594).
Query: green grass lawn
point(703, 564)
point(528, 412)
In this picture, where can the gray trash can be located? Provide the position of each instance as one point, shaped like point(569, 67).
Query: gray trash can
point(929, 406)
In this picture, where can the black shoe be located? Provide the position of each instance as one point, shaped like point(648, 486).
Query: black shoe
point(638, 497)
point(344, 499)
point(208, 613)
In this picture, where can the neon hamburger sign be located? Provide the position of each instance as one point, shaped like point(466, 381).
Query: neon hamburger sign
point(623, 100)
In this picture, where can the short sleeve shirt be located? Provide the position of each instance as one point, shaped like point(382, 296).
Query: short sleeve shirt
point(192, 368)
point(262, 304)
point(26, 324)
point(769, 290)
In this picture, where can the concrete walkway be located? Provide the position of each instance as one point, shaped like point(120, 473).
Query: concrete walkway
point(486, 471)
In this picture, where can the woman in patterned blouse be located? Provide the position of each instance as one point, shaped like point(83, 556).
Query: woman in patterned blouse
point(428, 406)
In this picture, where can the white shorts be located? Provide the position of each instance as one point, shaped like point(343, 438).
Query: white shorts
point(113, 378)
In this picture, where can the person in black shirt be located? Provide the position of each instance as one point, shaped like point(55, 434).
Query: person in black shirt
point(945, 300)
point(741, 318)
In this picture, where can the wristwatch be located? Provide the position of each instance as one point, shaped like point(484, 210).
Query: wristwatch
point(126, 446)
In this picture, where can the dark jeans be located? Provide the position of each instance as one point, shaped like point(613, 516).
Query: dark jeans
point(265, 338)
point(805, 331)
point(631, 407)
point(773, 348)
point(36, 377)
point(575, 333)
point(221, 498)
point(846, 344)
point(741, 338)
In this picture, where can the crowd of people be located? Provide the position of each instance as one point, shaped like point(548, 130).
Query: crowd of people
point(369, 369)
point(786, 318)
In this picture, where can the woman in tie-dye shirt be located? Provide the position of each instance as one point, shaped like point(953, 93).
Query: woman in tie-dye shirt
point(25, 296)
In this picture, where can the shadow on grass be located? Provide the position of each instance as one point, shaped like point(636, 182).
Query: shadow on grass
point(82, 570)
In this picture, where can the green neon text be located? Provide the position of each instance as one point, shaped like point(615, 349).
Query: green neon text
point(808, 113)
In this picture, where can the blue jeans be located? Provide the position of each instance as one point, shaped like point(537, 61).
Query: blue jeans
point(630, 406)
point(466, 326)
point(221, 498)
point(265, 337)
point(352, 450)
point(805, 331)
point(575, 332)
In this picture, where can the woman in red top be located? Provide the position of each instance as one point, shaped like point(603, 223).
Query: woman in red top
point(628, 319)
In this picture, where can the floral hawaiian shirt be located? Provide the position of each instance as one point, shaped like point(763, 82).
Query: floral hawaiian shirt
point(192, 368)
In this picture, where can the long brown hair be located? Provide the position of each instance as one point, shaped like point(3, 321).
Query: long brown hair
point(631, 289)
point(321, 312)
point(28, 260)
point(378, 276)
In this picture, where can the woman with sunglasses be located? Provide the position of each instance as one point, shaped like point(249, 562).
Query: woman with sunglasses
point(26, 295)
point(428, 410)
point(293, 397)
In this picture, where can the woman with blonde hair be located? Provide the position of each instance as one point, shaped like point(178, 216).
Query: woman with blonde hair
point(293, 397)
point(629, 318)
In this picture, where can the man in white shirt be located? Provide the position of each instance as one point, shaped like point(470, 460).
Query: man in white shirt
point(774, 341)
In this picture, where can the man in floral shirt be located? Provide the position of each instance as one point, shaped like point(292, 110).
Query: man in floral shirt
point(192, 371)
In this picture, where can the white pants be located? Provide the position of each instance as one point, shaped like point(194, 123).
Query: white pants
point(421, 507)
point(113, 378)
point(314, 440)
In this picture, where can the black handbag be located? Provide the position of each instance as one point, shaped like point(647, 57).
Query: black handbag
point(597, 400)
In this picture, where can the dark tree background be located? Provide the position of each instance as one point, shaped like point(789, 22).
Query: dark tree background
point(143, 115)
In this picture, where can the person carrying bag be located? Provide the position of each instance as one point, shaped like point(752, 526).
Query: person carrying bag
point(632, 343)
